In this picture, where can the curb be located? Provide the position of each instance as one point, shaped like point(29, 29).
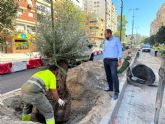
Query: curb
point(110, 117)
point(11, 94)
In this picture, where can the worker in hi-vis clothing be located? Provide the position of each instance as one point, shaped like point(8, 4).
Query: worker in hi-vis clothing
point(33, 94)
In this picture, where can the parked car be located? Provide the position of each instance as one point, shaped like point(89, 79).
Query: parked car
point(146, 48)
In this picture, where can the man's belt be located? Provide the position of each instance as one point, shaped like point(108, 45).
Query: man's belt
point(38, 82)
point(111, 59)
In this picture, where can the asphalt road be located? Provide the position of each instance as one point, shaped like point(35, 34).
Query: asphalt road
point(14, 81)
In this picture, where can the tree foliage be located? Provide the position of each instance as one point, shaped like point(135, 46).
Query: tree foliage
point(8, 11)
point(66, 40)
point(124, 23)
point(160, 36)
point(151, 40)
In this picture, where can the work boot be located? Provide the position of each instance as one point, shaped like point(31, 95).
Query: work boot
point(108, 90)
point(25, 117)
point(116, 95)
point(50, 121)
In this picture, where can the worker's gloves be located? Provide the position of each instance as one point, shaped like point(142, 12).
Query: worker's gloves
point(61, 102)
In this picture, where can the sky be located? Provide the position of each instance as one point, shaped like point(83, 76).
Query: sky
point(143, 17)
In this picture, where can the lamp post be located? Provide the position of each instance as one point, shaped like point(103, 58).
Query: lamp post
point(121, 20)
point(133, 22)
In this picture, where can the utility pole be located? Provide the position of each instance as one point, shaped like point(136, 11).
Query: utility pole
point(121, 20)
point(52, 13)
point(133, 22)
point(106, 10)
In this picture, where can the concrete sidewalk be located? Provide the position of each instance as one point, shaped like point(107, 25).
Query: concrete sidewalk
point(138, 104)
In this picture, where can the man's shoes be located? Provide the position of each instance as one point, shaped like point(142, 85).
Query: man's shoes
point(108, 90)
point(116, 95)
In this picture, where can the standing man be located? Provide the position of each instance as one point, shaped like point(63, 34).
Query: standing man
point(156, 49)
point(112, 59)
point(33, 94)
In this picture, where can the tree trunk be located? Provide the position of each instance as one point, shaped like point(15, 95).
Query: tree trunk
point(61, 113)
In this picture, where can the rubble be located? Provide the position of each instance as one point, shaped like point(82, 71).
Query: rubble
point(89, 102)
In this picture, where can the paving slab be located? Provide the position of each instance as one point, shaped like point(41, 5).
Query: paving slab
point(138, 104)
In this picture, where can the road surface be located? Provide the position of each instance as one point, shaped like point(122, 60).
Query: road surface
point(14, 81)
point(138, 104)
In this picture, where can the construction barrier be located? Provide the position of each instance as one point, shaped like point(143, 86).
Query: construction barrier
point(5, 68)
point(19, 66)
point(33, 63)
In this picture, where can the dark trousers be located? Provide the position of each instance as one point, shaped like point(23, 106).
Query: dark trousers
point(110, 66)
point(156, 53)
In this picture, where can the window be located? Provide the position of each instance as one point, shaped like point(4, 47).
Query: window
point(31, 14)
point(94, 21)
point(31, 29)
point(20, 28)
point(20, 12)
point(43, 9)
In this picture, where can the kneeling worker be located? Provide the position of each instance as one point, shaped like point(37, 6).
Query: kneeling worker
point(33, 94)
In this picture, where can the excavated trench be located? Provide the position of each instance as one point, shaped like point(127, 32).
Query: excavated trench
point(81, 91)
point(62, 114)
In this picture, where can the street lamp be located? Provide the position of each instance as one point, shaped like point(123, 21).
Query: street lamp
point(121, 20)
point(133, 22)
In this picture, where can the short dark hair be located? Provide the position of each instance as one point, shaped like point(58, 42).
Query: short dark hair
point(52, 67)
point(109, 31)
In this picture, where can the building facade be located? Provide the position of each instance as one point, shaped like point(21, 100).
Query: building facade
point(96, 29)
point(159, 21)
point(104, 12)
point(111, 16)
point(26, 17)
point(25, 26)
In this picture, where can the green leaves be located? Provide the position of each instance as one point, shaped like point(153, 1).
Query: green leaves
point(66, 41)
point(8, 11)
point(124, 23)
point(160, 36)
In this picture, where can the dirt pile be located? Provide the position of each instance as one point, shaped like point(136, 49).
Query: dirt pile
point(86, 83)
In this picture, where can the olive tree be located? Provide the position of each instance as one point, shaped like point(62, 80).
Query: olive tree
point(8, 11)
point(60, 43)
point(65, 40)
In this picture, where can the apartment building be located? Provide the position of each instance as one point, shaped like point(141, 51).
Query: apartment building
point(96, 29)
point(26, 17)
point(25, 26)
point(159, 21)
point(104, 12)
point(43, 8)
